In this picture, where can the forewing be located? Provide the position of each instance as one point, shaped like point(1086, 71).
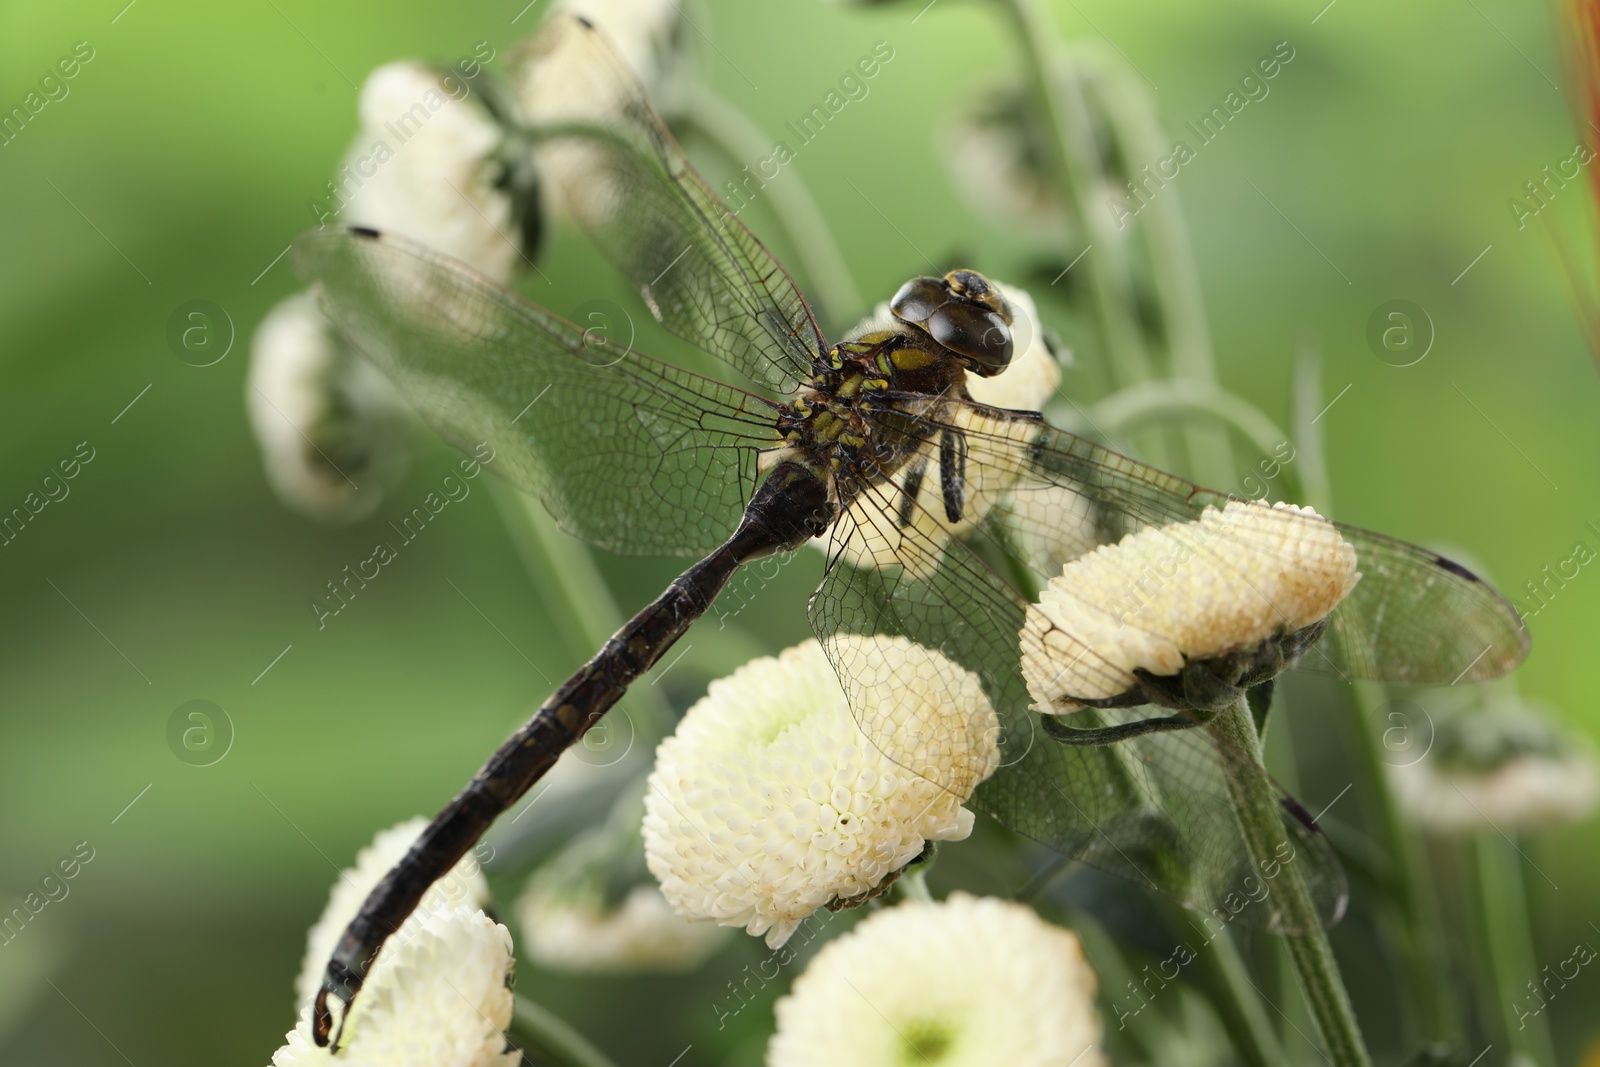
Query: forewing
point(631, 454)
point(615, 170)
point(1414, 618)
point(1153, 810)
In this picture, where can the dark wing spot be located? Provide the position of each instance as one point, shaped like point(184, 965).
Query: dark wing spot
point(583, 20)
point(365, 231)
point(1457, 569)
point(1301, 815)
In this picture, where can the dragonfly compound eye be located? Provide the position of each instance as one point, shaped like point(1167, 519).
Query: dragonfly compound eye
point(964, 313)
point(975, 332)
point(918, 299)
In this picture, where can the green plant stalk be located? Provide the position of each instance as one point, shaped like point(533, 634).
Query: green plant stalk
point(1238, 1003)
point(1417, 924)
point(913, 885)
point(1255, 803)
point(550, 1036)
point(1176, 281)
point(742, 142)
point(1071, 147)
point(1502, 907)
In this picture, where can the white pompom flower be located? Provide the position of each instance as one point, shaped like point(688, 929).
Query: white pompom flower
point(578, 933)
point(769, 802)
point(1504, 767)
point(463, 887)
point(427, 164)
point(1228, 581)
point(970, 982)
point(440, 997)
point(334, 433)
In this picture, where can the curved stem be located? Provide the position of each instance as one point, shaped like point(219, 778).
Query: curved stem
point(742, 142)
point(1255, 803)
point(1144, 401)
point(553, 1038)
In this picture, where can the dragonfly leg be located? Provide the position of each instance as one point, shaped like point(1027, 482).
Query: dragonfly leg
point(1110, 735)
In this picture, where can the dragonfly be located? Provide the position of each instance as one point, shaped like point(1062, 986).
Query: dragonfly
point(942, 516)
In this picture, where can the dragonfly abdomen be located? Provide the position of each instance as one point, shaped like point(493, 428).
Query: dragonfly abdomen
point(790, 507)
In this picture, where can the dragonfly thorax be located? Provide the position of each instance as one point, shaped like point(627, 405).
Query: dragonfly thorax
point(856, 422)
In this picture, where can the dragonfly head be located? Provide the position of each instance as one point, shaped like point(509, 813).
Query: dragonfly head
point(965, 313)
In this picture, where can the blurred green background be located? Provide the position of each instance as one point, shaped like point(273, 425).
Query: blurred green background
point(180, 165)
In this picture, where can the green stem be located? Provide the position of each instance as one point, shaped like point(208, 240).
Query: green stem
point(913, 884)
point(550, 1036)
point(1073, 154)
point(1132, 115)
point(1255, 803)
point(1502, 906)
point(742, 142)
point(1412, 899)
point(1235, 998)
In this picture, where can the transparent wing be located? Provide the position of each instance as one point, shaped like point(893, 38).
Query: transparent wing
point(628, 453)
point(617, 172)
point(1414, 618)
point(1153, 809)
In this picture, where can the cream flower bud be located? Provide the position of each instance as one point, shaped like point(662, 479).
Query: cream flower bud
point(647, 34)
point(970, 982)
point(768, 802)
point(425, 166)
point(1501, 767)
point(463, 887)
point(441, 997)
point(1227, 582)
point(996, 152)
point(579, 933)
point(593, 908)
point(334, 433)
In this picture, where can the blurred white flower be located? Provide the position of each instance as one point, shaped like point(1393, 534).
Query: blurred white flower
point(970, 982)
point(429, 164)
point(1226, 582)
point(769, 802)
point(563, 930)
point(1504, 766)
point(997, 158)
point(440, 997)
point(464, 887)
point(647, 34)
point(334, 433)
